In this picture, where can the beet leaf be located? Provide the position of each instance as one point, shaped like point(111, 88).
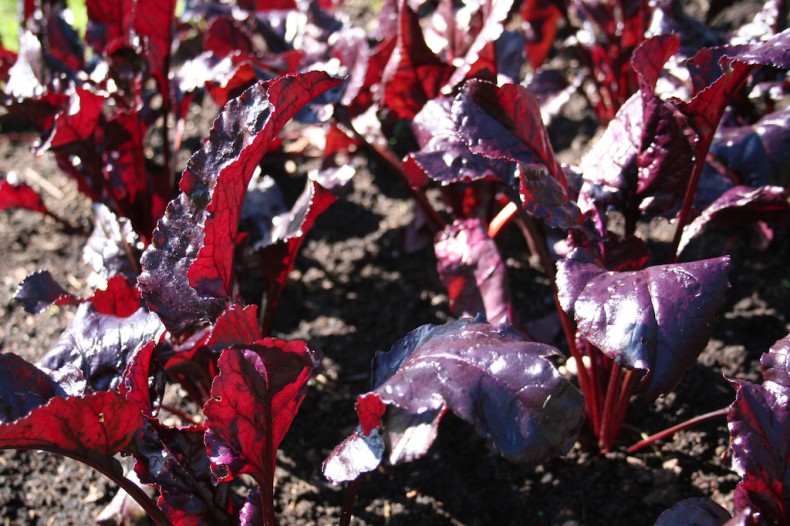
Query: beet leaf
point(188, 268)
point(759, 422)
point(657, 320)
point(489, 377)
point(254, 400)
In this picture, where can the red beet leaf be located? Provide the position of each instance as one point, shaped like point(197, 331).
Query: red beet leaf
point(90, 429)
point(254, 400)
point(472, 271)
point(540, 21)
point(120, 298)
point(414, 74)
point(759, 422)
point(20, 195)
point(188, 268)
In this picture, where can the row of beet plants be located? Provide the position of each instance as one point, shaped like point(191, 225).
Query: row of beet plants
point(693, 133)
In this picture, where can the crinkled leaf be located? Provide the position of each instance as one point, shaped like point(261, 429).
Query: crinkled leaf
point(254, 400)
point(472, 271)
point(658, 319)
point(187, 269)
point(759, 423)
point(100, 345)
point(694, 512)
point(90, 429)
point(20, 195)
point(414, 74)
point(175, 461)
point(489, 377)
point(40, 290)
point(741, 206)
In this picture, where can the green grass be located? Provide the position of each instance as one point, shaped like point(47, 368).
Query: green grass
point(9, 21)
point(9, 27)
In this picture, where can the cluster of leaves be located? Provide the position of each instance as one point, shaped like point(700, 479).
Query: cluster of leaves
point(436, 85)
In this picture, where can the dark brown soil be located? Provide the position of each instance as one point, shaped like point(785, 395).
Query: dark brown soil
point(356, 290)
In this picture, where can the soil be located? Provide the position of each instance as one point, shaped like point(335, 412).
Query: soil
point(355, 290)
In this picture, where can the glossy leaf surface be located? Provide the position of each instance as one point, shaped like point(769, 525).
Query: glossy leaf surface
point(187, 269)
point(489, 377)
point(658, 319)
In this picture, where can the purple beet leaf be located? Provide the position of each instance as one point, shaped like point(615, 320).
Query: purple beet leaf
point(23, 387)
point(759, 154)
point(741, 206)
point(444, 156)
point(489, 377)
point(254, 400)
point(759, 422)
point(504, 123)
point(472, 271)
point(100, 345)
point(40, 290)
point(657, 320)
point(188, 268)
